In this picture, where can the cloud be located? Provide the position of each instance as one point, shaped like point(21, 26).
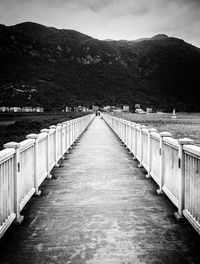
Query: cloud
point(127, 19)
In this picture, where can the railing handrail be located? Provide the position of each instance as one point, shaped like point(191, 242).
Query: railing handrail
point(173, 164)
point(24, 165)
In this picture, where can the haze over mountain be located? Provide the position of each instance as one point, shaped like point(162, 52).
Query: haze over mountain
point(56, 68)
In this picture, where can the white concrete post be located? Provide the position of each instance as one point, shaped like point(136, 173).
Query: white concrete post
point(132, 125)
point(151, 130)
point(181, 176)
point(46, 131)
point(55, 144)
point(59, 127)
point(135, 140)
point(17, 169)
point(117, 127)
point(73, 131)
point(126, 133)
point(70, 135)
point(35, 137)
point(161, 174)
point(121, 130)
point(76, 130)
point(67, 139)
point(73, 126)
point(129, 136)
point(63, 138)
point(141, 146)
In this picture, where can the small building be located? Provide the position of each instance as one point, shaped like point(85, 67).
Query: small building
point(4, 109)
point(27, 109)
point(107, 108)
point(15, 109)
point(85, 109)
point(68, 109)
point(95, 107)
point(149, 110)
point(137, 106)
point(78, 108)
point(126, 108)
point(139, 111)
point(37, 109)
point(118, 110)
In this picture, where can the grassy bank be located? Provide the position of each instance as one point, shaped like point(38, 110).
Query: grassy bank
point(15, 126)
point(185, 125)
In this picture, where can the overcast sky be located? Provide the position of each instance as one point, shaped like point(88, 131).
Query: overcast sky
point(110, 19)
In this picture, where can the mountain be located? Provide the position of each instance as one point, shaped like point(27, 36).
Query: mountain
point(56, 67)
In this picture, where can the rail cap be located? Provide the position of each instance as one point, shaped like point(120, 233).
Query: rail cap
point(44, 130)
point(192, 150)
point(170, 141)
point(12, 144)
point(165, 134)
point(185, 141)
point(133, 125)
point(5, 154)
point(32, 136)
point(151, 130)
point(53, 127)
point(25, 144)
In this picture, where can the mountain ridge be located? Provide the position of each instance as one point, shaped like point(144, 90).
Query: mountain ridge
point(58, 67)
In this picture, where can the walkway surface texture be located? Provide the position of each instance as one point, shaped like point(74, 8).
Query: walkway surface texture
point(99, 208)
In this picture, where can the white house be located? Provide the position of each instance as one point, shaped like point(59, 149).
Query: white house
point(126, 108)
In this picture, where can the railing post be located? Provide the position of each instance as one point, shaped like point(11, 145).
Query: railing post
point(151, 130)
point(67, 137)
point(181, 176)
point(126, 133)
point(121, 129)
point(55, 144)
point(135, 140)
point(72, 123)
point(35, 137)
point(46, 131)
point(59, 127)
point(132, 136)
point(129, 136)
point(73, 131)
point(161, 173)
point(63, 130)
point(70, 135)
point(141, 145)
point(16, 146)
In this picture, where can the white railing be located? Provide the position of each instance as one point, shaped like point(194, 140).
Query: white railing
point(25, 165)
point(174, 164)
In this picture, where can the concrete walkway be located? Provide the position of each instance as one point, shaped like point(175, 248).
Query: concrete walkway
point(99, 208)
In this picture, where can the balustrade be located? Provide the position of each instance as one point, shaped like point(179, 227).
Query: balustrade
point(25, 165)
point(173, 164)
